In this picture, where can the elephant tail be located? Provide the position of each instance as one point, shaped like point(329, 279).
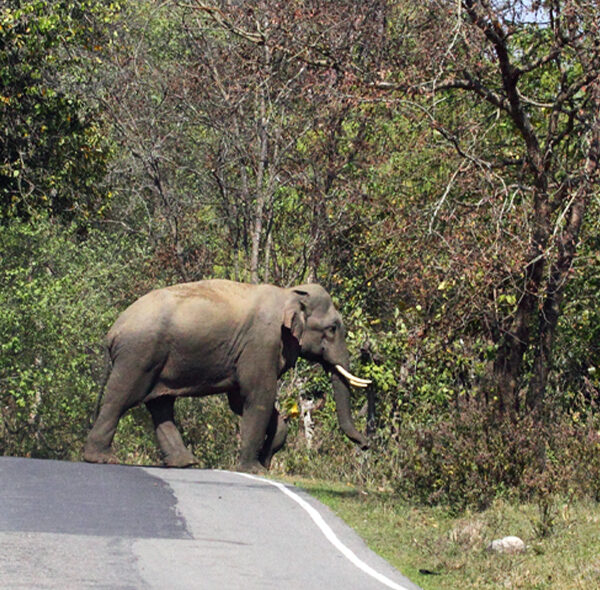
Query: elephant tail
point(107, 370)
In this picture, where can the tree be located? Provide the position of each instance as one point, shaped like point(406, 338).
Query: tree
point(245, 100)
point(53, 154)
point(537, 66)
point(270, 122)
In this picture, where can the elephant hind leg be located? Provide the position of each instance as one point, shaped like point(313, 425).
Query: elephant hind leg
point(123, 390)
point(175, 453)
point(274, 440)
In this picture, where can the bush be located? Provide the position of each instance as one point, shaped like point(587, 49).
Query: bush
point(58, 296)
point(465, 458)
point(472, 456)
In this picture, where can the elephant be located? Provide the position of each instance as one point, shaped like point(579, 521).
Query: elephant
point(218, 336)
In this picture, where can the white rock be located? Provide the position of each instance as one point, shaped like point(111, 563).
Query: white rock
point(507, 545)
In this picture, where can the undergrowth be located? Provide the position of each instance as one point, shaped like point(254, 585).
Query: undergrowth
point(466, 458)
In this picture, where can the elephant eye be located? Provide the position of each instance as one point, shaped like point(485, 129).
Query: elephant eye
point(331, 330)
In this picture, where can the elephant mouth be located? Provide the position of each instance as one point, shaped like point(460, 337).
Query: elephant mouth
point(352, 379)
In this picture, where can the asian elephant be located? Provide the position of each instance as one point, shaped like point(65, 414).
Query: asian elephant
point(218, 336)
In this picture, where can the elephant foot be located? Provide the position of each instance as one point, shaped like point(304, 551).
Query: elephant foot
point(181, 460)
point(251, 467)
point(105, 457)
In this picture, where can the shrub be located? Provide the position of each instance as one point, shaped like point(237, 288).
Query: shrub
point(471, 456)
point(58, 295)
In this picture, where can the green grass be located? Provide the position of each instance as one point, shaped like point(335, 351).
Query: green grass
point(563, 541)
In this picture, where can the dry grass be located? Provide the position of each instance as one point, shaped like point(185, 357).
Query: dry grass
point(452, 549)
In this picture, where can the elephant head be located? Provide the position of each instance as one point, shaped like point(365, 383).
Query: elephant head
point(316, 325)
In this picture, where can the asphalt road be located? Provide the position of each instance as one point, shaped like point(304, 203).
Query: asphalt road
point(74, 525)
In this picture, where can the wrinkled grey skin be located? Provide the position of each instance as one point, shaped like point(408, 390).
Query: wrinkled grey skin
point(216, 336)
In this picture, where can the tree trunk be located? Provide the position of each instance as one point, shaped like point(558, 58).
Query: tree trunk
point(567, 246)
point(260, 179)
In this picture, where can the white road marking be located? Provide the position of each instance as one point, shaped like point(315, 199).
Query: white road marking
point(328, 532)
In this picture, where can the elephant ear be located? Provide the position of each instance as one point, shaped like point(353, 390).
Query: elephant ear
point(294, 314)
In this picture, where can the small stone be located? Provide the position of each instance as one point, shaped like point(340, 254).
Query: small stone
point(507, 545)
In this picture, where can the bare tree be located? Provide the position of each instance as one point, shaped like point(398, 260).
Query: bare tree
point(156, 184)
point(538, 66)
point(248, 95)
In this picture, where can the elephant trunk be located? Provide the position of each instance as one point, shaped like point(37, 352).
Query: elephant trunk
point(341, 394)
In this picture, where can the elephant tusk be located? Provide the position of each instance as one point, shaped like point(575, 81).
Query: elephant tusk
point(353, 380)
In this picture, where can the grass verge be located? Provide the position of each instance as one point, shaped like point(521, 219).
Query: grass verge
point(438, 550)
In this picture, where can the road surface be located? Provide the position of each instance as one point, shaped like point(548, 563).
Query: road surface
point(74, 525)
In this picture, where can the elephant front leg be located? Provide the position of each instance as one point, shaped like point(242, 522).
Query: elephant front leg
point(256, 416)
point(175, 453)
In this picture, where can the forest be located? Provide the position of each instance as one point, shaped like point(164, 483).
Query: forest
point(433, 165)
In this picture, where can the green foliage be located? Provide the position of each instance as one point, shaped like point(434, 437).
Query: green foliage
point(58, 296)
point(53, 143)
point(577, 360)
